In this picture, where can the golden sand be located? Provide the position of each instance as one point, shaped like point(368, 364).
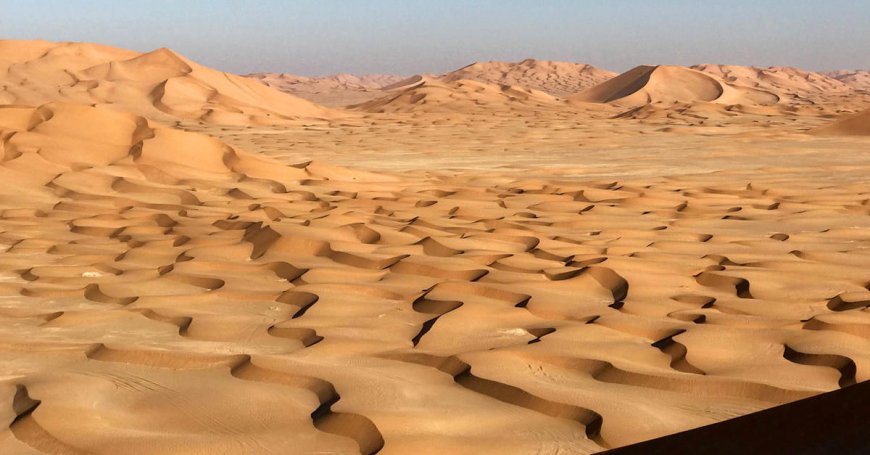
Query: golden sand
point(486, 269)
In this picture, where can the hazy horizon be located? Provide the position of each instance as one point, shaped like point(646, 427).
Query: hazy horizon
point(328, 37)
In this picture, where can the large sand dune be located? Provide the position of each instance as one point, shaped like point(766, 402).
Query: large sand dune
point(160, 85)
point(560, 79)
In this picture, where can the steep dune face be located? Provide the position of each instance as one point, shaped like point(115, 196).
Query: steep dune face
point(333, 91)
point(423, 94)
point(792, 83)
point(160, 85)
point(668, 85)
point(559, 79)
point(853, 125)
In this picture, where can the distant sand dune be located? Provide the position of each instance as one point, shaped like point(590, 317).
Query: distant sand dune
point(793, 83)
point(859, 79)
point(668, 85)
point(559, 79)
point(160, 85)
point(190, 266)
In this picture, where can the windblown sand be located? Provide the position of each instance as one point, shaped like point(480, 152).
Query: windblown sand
point(526, 279)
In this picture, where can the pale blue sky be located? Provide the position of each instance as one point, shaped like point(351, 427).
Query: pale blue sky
point(410, 36)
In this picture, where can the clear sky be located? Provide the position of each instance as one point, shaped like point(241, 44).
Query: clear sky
point(313, 37)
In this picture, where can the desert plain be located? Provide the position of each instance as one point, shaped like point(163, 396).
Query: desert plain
point(531, 257)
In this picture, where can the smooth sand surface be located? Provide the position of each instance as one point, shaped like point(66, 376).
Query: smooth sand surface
point(496, 270)
point(557, 79)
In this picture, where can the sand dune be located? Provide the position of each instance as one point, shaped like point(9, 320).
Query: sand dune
point(559, 79)
point(854, 125)
point(796, 84)
point(411, 82)
point(668, 85)
point(722, 94)
point(423, 94)
point(660, 92)
point(161, 85)
point(859, 79)
point(332, 91)
point(827, 423)
point(148, 270)
point(453, 266)
point(344, 81)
